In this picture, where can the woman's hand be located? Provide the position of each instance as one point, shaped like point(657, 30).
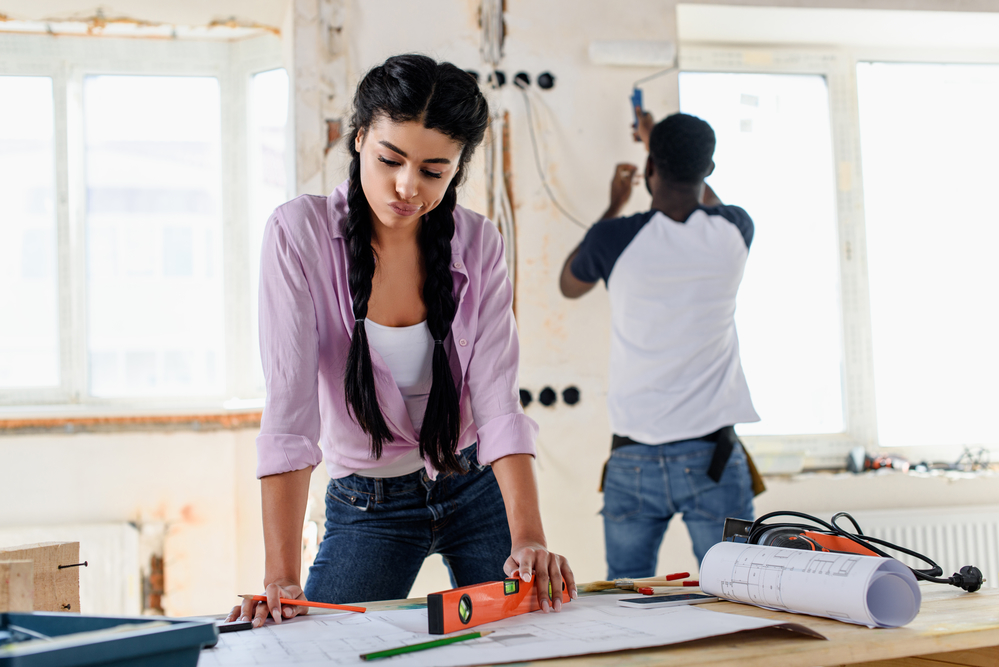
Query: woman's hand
point(529, 558)
point(533, 561)
point(284, 499)
point(251, 610)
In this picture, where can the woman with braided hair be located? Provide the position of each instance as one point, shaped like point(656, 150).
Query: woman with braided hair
point(389, 349)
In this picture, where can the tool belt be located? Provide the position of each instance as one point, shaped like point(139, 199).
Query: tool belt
point(725, 440)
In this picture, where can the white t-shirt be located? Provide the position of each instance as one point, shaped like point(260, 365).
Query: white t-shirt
point(408, 353)
point(675, 371)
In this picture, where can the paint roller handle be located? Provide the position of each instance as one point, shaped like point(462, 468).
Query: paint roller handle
point(644, 127)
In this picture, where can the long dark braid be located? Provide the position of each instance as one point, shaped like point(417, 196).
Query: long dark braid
point(439, 434)
point(359, 380)
point(443, 98)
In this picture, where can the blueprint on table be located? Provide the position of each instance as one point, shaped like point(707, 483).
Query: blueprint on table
point(877, 592)
point(593, 624)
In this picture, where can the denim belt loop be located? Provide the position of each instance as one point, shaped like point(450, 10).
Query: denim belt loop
point(379, 486)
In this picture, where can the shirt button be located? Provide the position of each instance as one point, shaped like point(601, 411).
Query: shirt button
point(463, 342)
point(457, 265)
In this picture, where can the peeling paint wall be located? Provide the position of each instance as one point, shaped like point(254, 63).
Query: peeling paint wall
point(265, 12)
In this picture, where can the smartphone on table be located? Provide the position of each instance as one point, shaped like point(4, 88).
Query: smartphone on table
point(653, 601)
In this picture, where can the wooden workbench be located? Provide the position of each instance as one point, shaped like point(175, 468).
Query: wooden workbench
point(952, 628)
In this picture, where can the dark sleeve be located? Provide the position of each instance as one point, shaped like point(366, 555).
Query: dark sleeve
point(603, 244)
point(737, 217)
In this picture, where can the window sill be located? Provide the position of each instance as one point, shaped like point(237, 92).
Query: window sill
point(231, 415)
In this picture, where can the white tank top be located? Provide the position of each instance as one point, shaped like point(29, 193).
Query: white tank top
point(408, 352)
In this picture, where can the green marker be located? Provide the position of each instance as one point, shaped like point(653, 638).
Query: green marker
point(423, 645)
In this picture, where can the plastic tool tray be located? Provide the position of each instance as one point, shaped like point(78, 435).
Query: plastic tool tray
point(161, 642)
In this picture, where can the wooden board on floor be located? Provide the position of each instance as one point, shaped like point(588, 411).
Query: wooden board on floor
point(17, 586)
point(56, 589)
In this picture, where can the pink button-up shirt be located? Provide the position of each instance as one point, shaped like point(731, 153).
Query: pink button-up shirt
point(306, 321)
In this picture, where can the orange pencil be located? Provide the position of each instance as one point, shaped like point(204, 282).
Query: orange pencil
point(306, 603)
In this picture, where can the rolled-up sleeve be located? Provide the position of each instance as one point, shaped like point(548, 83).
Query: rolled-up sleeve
point(502, 427)
point(289, 352)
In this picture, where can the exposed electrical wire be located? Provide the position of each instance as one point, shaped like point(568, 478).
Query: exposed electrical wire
point(537, 162)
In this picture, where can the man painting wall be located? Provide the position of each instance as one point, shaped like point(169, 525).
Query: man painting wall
point(676, 385)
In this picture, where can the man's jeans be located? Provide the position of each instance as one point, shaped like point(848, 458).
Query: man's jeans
point(379, 531)
point(647, 484)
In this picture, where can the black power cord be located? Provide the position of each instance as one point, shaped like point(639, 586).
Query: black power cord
point(969, 578)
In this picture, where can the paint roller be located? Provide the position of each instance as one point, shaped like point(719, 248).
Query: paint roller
point(635, 53)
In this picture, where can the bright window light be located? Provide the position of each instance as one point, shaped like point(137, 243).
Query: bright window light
point(268, 177)
point(929, 140)
point(155, 323)
point(774, 159)
point(29, 298)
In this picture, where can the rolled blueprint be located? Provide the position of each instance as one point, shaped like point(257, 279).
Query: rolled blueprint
point(871, 591)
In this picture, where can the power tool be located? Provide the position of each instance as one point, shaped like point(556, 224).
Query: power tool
point(823, 536)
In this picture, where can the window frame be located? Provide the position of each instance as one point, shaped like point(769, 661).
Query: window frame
point(790, 453)
point(67, 60)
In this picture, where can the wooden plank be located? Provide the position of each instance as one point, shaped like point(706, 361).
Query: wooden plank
point(17, 586)
point(55, 588)
point(903, 662)
point(982, 657)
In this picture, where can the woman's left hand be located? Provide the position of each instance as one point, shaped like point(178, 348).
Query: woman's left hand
point(532, 561)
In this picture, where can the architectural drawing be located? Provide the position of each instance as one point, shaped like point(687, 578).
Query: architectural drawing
point(592, 624)
point(878, 592)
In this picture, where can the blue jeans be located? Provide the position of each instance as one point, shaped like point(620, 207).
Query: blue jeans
point(646, 485)
point(379, 531)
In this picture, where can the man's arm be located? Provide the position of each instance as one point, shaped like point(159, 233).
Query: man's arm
point(571, 286)
point(644, 130)
point(621, 186)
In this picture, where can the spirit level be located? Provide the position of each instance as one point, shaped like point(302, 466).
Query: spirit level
point(464, 607)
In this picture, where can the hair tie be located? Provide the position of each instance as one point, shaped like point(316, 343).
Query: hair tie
point(438, 342)
point(358, 319)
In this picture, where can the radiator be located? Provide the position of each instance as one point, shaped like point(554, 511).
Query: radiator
point(952, 536)
point(111, 583)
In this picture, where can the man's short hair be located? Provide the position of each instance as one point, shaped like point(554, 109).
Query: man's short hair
point(681, 147)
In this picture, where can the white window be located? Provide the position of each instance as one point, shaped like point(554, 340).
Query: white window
point(154, 231)
point(128, 209)
point(774, 159)
point(871, 297)
point(929, 135)
point(268, 178)
point(29, 271)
